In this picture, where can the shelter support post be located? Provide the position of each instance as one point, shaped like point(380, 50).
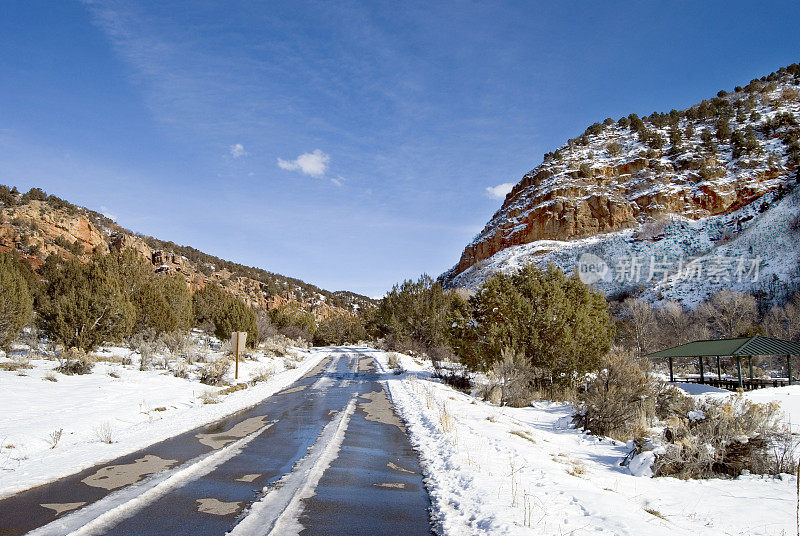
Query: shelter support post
point(719, 370)
point(789, 367)
point(702, 373)
point(672, 375)
point(739, 371)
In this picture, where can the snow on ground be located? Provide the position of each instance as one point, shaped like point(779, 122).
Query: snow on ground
point(137, 408)
point(498, 470)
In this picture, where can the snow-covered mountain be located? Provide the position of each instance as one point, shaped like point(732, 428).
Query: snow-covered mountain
point(671, 206)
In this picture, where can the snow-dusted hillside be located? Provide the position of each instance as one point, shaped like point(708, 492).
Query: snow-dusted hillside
point(679, 259)
point(689, 184)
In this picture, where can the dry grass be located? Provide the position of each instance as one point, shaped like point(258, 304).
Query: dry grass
point(655, 512)
point(55, 437)
point(103, 358)
point(209, 397)
point(261, 375)
point(446, 420)
point(104, 432)
point(523, 434)
point(14, 366)
point(233, 388)
point(50, 377)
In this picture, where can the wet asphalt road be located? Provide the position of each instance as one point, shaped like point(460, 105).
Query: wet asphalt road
point(327, 455)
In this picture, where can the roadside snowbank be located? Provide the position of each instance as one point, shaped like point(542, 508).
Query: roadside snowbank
point(496, 470)
point(137, 408)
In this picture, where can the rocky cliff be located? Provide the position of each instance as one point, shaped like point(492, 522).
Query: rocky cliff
point(709, 160)
point(37, 225)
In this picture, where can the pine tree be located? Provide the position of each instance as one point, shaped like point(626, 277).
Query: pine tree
point(16, 302)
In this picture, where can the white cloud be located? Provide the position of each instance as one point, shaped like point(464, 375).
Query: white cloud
point(314, 163)
point(237, 150)
point(338, 181)
point(500, 191)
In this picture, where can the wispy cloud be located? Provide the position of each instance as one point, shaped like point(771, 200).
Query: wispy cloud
point(338, 181)
point(500, 191)
point(314, 163)
point(107, 213)
point(237, 150)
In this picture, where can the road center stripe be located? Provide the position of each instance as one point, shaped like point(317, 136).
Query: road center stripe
point(278, 511)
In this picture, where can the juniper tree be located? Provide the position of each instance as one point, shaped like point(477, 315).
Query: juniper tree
point(16, 302)
point(559, 324)
point(163, 303)
point(418, 314)
point(233, 314)
point(226, 311)
point(82, 304)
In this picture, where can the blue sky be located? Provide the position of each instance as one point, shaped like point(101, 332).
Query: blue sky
point(349, 144)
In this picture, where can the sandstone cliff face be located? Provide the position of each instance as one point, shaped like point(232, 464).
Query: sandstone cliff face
point(35, 226)
point(35, 230)
point(611, 179)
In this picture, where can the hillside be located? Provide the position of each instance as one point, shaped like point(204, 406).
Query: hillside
point(698, 185)
point(36, 225)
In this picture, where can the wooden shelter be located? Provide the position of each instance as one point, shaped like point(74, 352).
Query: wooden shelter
point(742, 347)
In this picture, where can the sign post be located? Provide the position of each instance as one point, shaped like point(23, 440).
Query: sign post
point(238, 339)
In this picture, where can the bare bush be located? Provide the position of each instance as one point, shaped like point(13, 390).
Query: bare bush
point(213, 373)
point(104, 432)
point(513, 375)
point(730, 314)
point(639, 330)
point(266, 329)
point(55, 437)
point(621, 399)
point(209, 397)
point(261, 375)
point(676, 326)
point(783, 322)
point(74, 361)
point(296, 333)
point(178, 343)
point(180, 371)
point(725, 437)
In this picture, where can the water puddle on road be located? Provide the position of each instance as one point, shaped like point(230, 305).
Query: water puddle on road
point(366, 364)
point(379, 409)
point(217, 507)
point(317, 370)
point(392, 465)
point(118, 476)
point(390, 485)
point(60, 508)
point(220, 439)
point(248, 478)
point(293, 390)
